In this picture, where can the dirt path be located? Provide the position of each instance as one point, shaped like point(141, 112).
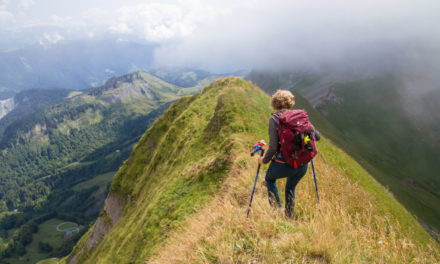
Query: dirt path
point(73, 229)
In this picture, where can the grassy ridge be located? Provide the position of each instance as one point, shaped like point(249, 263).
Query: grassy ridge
point(188, 152)
point(392, 134)
point(49, 159)
point(188, 182)
point(357, 221)
point(401, 152)
point(357, 173)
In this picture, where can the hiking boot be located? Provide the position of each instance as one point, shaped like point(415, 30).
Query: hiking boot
point(290, 212)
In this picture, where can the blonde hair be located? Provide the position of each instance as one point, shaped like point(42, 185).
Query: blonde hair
point(282, 99)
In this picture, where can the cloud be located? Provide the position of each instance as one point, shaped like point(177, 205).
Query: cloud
point(25, 4)
point(121, 28)
point(159, 22)
point(229, 34)
point(50, 39)
point(53, 38)
point(363, 34)
point(153, 21)
point(4, 3)
point(5, 17)
point(69, 23)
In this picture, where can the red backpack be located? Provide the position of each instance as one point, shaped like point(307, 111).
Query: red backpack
point(297, 137)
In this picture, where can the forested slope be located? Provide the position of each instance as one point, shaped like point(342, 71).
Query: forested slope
point(58, 162)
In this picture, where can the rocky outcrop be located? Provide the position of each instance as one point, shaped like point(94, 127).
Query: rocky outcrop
point(110, 215)
point(128, 86)
point(126, 90)
point(333, 97)
point(6, 106)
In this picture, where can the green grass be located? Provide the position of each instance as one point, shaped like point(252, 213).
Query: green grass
point(195, 135)
point(385, 204)
point(354, 171)
point(73, 129)
point(49, 261)
point(388, 144)
point(46, 233)
point(180, 163)
point(101, 180)
point(370, 121)
point(67, 226)
point(355, 222)
point(77, 150)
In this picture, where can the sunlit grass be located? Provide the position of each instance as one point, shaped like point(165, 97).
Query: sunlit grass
point(351, 224)
point(188, 184)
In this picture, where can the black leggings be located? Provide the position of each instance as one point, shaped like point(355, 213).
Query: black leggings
point(277, 171)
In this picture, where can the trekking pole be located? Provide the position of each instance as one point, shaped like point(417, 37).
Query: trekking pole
point(253, 190)
point(258, 148)
point(316, 184)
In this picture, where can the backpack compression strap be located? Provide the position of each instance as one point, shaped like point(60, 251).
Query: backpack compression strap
point(275, 117)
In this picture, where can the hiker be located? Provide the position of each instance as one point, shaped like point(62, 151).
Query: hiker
point(282, 101)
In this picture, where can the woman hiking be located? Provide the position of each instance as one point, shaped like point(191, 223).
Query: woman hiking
point(282, 101)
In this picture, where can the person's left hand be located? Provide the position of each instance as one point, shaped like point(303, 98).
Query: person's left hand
point(260, 160)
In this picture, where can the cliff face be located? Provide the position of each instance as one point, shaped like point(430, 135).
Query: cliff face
point(135, 85)
point(182, 197)
point(6, 106)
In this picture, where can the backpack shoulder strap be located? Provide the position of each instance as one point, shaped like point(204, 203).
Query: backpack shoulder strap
point(276, 116)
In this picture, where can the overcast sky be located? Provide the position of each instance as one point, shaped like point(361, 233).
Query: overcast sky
point(225, 34)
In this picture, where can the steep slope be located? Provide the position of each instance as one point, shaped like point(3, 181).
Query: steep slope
point(74, 129)
point(58, 162)
point(26, 102)
point(405, 151)
point(393, 133)
point(182, 196)
point(313, 86)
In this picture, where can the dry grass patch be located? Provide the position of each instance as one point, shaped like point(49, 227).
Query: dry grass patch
point(344, 228)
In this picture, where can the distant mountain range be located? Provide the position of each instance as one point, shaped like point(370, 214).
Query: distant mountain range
point(61, 148)
point(70, 64)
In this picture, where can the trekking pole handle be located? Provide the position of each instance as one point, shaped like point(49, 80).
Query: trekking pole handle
point(258, 148)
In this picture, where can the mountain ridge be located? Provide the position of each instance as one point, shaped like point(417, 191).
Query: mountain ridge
point(57, 161)
point(71, 64)
point(159, 206)
point(27, 102)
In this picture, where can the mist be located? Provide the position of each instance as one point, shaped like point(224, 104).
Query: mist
point(344, 40)
point(351, 38)
point(357, 36)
